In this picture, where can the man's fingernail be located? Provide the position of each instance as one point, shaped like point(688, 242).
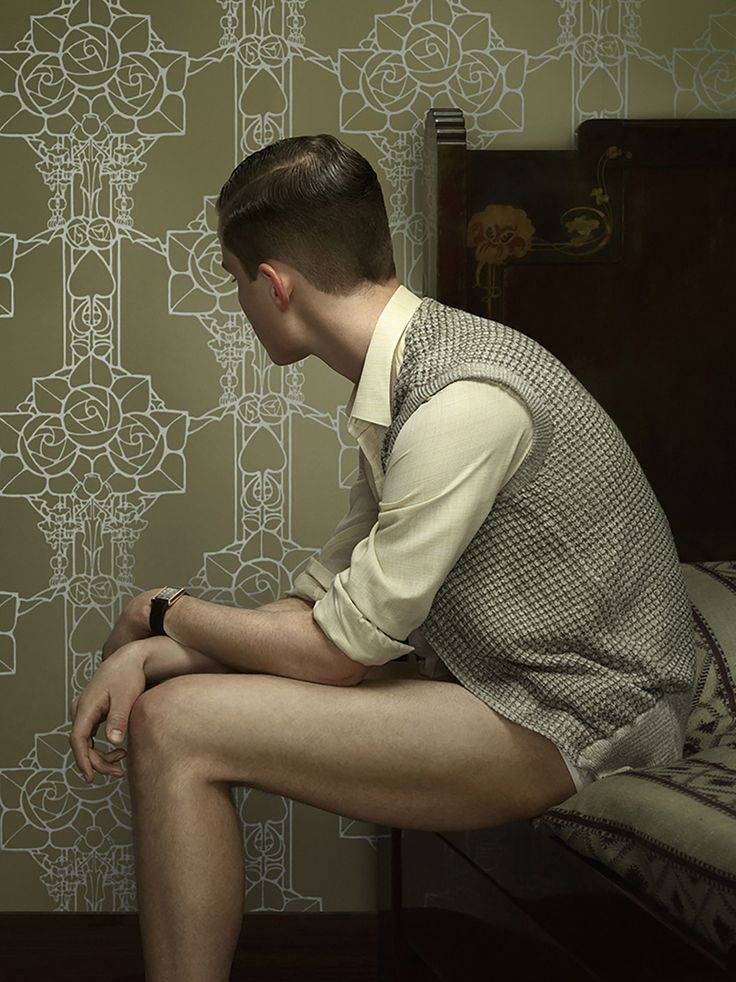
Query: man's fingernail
point(116, 735)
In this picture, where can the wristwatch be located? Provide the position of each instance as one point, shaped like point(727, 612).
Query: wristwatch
point(160, 604)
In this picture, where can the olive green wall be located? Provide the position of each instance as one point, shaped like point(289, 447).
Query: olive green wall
point(144, 436)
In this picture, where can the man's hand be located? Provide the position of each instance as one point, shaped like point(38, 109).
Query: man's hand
point(110, 694)
point(132, 625)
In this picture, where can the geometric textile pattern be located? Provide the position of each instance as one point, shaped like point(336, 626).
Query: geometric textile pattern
point(145, 437)
point(647, 826)
point(712, 592)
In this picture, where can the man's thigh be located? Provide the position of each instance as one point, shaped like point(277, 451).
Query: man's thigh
point(404, 751)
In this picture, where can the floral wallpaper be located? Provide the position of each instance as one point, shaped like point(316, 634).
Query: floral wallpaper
point(145, 438)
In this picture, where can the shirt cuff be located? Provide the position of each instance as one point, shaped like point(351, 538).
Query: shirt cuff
point(313, 582)
point(347, 628)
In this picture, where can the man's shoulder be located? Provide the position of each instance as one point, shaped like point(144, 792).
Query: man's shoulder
point(433, 315)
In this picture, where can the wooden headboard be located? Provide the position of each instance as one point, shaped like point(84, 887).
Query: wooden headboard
point(620, 258)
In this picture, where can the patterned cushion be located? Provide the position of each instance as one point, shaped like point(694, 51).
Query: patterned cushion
point(712, 591)
point(670, 831)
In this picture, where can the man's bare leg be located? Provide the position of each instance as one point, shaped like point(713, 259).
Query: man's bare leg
point(408, 752)
point(189, 868)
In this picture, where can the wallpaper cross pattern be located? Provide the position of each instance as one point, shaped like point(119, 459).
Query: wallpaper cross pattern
point(145, 437)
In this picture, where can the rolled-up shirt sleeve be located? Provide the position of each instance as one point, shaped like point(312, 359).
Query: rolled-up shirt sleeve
point(448, 463)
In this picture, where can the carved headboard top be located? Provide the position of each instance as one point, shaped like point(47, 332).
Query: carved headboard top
point(619, 257)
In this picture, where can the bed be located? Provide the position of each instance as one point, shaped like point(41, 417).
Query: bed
point(617, 256)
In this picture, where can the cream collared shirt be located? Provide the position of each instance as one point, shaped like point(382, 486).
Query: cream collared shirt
point(374, 580)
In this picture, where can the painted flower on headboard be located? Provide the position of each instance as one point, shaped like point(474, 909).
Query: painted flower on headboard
point(500, 232)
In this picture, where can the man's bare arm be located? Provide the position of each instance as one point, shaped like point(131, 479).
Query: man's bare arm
point(163, 658)
point(280, 638)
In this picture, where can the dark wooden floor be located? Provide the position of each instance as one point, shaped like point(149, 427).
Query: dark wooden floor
point(64, 947)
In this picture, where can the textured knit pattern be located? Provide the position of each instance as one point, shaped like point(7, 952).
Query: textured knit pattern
point(567, 612)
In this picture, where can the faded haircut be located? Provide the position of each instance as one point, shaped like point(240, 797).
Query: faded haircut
point(312, 202)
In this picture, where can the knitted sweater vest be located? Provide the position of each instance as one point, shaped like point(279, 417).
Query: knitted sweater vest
point(567, 612)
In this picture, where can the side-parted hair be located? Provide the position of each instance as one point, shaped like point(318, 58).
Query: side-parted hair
point(312, 202)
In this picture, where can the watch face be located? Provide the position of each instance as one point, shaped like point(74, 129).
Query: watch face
point(167, 593)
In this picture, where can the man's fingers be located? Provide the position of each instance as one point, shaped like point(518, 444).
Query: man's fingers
point(110, 696)
point(106, 763)
point(115, 729)
point(86, 720)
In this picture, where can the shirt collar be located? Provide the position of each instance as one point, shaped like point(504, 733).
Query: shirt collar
point(370, 399)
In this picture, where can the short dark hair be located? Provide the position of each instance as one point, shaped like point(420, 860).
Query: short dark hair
point(313, 202)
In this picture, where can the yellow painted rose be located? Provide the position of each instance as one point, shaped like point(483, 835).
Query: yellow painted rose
point(500, 232)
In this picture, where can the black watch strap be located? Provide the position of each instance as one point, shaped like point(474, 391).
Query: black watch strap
point(160, 604)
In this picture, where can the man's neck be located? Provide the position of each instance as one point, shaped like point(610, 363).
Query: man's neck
point(346, 326)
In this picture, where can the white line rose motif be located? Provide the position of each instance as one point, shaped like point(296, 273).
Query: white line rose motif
point(386, 84)
point(427, 51)
point(706, 75)
point(86, 60)
point(92, 420)
point(43, 86)
point(98, 590)
point(432, 53)
point(199, 284)
point(715, 82)
point(91, 415)
point(45, 448)
point(90, 233)
point(253, 573)
point(138, 445)
point(596, 51)
point(89, 55)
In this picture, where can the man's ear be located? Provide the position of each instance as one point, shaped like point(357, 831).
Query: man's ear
point(281, 285)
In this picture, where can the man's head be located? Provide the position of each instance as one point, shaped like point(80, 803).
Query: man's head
point(311, 202)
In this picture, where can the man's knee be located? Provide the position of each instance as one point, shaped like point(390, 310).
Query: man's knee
point(159, 711)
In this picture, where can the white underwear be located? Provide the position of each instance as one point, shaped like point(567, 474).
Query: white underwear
point(579, 776)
